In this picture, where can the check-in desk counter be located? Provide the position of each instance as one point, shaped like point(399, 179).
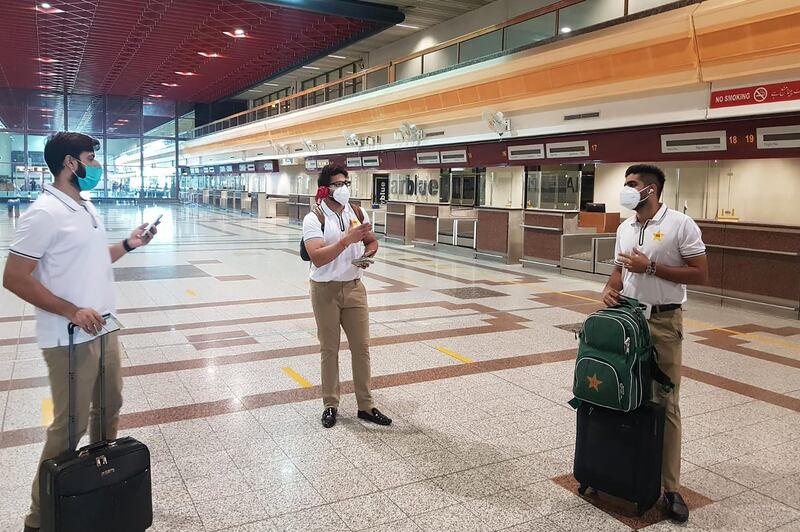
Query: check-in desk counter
point(206, 196)
point(426, 218)
point(275, 206)
point(542, 232)
point(400, 222)
point(247, 202)
point(457, 232)
point(378, 219)
point(752, 262)
point(603, 251)
point(299, 205)
point(601, 222)
point(500, 234)
point(235, 200)
point(579, 250)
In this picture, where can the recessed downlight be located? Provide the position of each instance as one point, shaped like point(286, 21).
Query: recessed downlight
point(46, 60)
point(238, 33)
point(185, 73)
point(209, 54)
point(566, 29)
point(170, 84)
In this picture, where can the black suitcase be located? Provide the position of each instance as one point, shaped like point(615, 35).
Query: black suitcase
point(102, 487)
point(620, 453)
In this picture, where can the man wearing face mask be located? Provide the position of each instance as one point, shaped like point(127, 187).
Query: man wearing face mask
point(335, 235)
point(60, 263)
point(658, 252)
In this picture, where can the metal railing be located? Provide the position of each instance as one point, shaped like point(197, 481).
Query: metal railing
point(555, 21)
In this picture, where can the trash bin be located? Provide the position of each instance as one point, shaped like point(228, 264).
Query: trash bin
point(13, 208)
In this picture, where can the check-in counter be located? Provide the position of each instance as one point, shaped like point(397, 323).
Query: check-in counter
point(235, 200)
point(752, 262)
point(378, 218)
point(500, 234)
point(400, 222)
point(206, 196)
point(457, 232)
point(425, 222)
point(542, 236)
point(604, 254)
point(299, 205)
point(247, 202)
point(601, 222)
point(578, 251)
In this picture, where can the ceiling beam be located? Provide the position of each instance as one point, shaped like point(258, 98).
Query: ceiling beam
point(356, 9)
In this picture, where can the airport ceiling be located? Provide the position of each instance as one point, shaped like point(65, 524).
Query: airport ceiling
point(186, 50)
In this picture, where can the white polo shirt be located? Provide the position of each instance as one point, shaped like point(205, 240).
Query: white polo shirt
point(668, 238)
point(69, 242)
point(340, 268)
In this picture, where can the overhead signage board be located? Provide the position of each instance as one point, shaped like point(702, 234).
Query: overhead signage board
point(756, 95)
point(694, 142)
point(354, 162)
point(311, 164)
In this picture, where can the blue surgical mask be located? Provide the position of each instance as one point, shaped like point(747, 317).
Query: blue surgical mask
point(92, 177)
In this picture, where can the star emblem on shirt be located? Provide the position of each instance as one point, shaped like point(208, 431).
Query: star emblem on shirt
point(657, 236)
point(594, 382)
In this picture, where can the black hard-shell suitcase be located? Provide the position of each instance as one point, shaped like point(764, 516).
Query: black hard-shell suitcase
point(620, 453)
point(102, 487)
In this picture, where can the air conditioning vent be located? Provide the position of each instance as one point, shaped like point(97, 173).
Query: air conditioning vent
point(454, 156)
point(526, 151)
point(770, 138)
point(582, 116)
point(370, 160)
point(431, 157)
point(434, 134)
point(565, 150)
point(353, 162)
point(694, 142)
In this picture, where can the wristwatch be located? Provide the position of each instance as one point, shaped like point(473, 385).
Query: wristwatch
point(127, 247)
point(651, 268)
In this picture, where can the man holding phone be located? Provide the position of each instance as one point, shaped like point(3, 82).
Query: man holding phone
point(60, 263)
point(340, 249)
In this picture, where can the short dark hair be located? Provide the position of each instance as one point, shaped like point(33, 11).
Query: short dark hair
point(650, 174)
point(327, 173)
point(66, 143)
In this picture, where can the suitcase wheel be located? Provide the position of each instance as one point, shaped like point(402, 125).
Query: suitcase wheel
point(582, 489)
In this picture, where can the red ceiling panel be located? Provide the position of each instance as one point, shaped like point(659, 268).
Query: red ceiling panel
point(135, 47)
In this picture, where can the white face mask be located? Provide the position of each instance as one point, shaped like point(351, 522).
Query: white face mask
point(630, 198)
point(342, 195)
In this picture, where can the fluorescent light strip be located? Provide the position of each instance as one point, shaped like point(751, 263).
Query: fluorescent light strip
point(409, 26)
point(310, 67)
point(337, 56)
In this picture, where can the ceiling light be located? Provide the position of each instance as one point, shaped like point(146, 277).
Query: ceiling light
point(47, 74)
point(238, 33)
point(170, 84)
point(45, 87)
point(337, 56)
point(311, 67)
point(45, 5)
point(409, 26)
point(566, 29)
point(156, 95)
point(180, 73)
point(45, 95)
point(46, 60)
point(272, 84)
point(209, 54)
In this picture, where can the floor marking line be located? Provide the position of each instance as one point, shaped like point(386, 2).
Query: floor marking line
point(47, 412)
point(455, 355)
point(296, 377)
point(576, 296)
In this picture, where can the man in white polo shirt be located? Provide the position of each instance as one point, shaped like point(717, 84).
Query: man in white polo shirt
point(658, 252)
point(338, 296)
point(60, 263)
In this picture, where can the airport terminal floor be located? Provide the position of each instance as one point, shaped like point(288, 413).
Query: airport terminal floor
point(473, 360)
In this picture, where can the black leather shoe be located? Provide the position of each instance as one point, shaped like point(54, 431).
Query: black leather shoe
point(30, 529)
point(329, 417)
point(676, 507)
point(374, 416)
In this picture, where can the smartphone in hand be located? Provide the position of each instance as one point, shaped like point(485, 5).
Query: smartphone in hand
point(150, 227)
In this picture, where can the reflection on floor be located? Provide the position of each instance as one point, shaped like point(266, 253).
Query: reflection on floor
point(473, 361)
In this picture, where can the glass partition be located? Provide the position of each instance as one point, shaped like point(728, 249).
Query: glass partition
point(589, 13)
point(530, 31)
point(553, 187)
point(86, 114)
point(481, 46)
point(123, 170)
point(441, 59)
point(502, 187)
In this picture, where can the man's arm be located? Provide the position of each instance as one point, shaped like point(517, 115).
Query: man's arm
point(321, 254)
point(695, 272)
point(136, 240)
point(18, 279)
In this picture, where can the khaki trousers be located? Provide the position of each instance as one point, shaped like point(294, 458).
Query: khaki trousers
point(666, 329)
point(337, 306)
point(87, 401)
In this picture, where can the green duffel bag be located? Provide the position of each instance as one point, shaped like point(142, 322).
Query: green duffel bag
point(616, 360)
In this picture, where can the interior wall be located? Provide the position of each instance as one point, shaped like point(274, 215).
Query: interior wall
point(760, 190)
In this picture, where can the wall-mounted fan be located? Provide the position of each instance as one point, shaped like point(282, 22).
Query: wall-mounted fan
point(310, 145)
point(351, 139)
point(497, 122)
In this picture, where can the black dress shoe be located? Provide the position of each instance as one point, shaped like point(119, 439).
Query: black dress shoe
point(374, 416)
point(30, 529)
point(676, 507)
point(329, 417)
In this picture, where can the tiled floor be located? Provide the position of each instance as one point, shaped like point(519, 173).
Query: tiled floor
point(473, 361)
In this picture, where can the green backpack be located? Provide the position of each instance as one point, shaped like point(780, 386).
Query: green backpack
point(616, 360)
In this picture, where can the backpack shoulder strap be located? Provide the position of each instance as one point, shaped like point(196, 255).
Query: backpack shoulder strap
point(320, 215)
point(359, 212)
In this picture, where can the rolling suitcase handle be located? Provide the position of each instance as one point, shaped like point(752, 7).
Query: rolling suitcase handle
point(72, 421)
